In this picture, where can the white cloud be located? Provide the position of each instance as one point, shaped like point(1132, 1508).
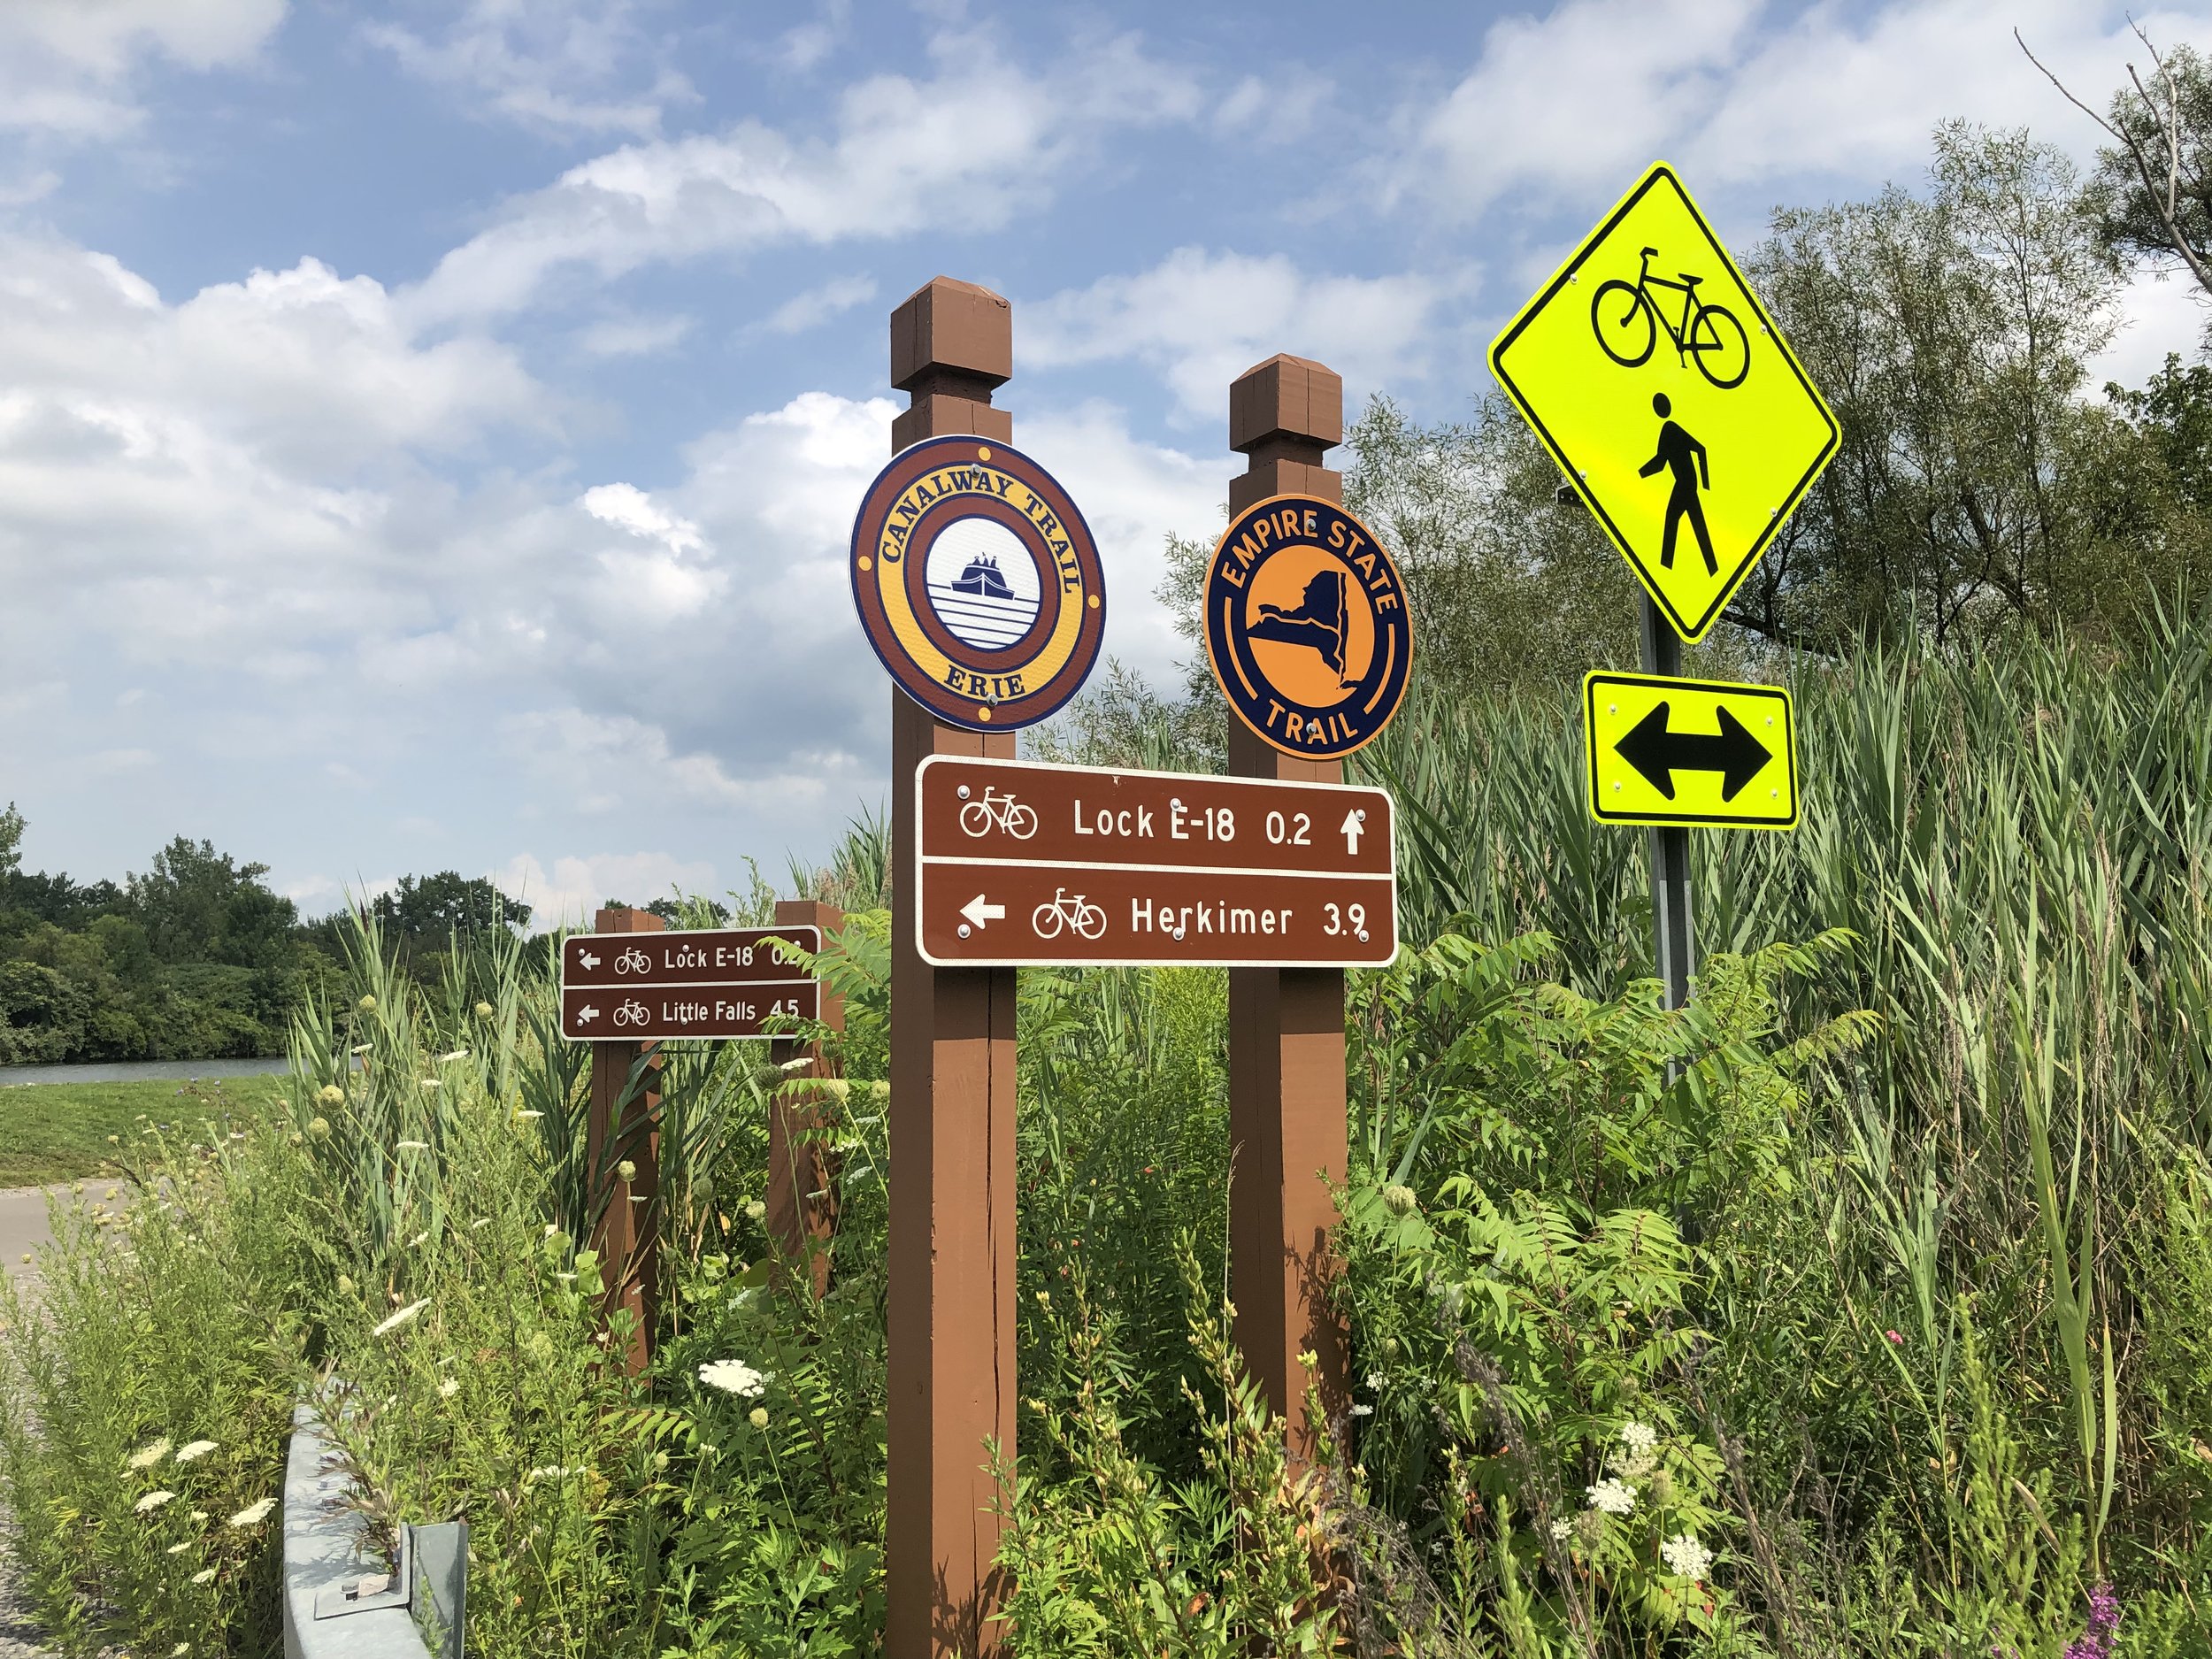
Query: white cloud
point(816, 306)
point(632, 336)
point(962, 151)
point(575, 886)
point(66, 65)
point(1133, 495)
point(1202, 319)
point(2159, 312)
point(1740, 92)
point(583, 66)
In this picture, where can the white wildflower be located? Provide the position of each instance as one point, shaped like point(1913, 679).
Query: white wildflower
point(414, 1146)
point(1374, 1381)
point(184, 1647)
point(481, 1221)
point(447, 1059)
point(523, 1118)
point(1363, 1412)
point(198, 1515)
point(757, 1417)
point(1615, 1497)
point(254, 1514)
point(153, 1501)
point(402, 1317)
point(432, 1082)
point(1685, 1554)
point(420, 1240)
point(732, 1377)
point(147, 1456)
point(205, 1575)
point(451, 1387)
point(194, 1452)
point(555, 1472)
point(178, 1549)
point(1638, 1437)
point(1560, 1530)
point(799, 1064)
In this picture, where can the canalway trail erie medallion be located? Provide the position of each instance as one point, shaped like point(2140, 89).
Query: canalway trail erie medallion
point(978, 583)
point(1306, 627)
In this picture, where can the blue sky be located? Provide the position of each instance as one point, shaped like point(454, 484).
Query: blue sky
point(428, 433)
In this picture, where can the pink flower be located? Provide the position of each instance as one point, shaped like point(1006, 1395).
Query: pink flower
point(1895, 1340)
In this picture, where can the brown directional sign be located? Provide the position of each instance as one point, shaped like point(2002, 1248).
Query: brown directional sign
point(1024, 863)
point(718, 982)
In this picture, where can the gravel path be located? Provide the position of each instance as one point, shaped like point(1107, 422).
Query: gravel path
point(17, 1639)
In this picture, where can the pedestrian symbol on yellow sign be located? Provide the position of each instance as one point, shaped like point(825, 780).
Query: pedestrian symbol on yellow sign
point(1677, 450)
point(1611, 341)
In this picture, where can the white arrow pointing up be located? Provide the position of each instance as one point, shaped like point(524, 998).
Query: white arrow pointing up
point(587, 1014)
point(977, 912)
point(588, 960)
point(1354, 826)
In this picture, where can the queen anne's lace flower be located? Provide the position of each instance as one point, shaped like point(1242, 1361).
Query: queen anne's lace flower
point(732, 1377)
point(1683, 1553)
point(1562, 1530)
point(1615, 1497)
point(194, 1452)
point(154, 1500)
point(254, 1514)
point(1638, 1437)
point(147, 1456)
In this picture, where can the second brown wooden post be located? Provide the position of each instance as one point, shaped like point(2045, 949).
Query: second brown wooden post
point(1286, 1099)
point(951, 1337)
point(618, 1132)
point(802, 1173)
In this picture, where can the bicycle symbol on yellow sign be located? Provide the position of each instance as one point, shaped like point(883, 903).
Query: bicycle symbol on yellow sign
point(1671, 402)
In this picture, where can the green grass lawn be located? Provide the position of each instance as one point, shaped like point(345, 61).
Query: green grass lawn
point(58, 1131)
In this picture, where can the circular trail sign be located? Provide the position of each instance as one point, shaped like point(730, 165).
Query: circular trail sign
point(978, 583)
point(1306, 627)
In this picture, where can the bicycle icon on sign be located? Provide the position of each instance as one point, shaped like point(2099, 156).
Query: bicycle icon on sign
point(632, 961)
point(998, 811)
point(632, 1012)
point(1075, 913)
point(1626, 318)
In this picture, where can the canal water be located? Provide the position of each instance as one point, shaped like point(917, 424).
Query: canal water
point(139, 1070)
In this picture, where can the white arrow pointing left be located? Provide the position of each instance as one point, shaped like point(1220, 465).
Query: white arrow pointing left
point(587, 1014)
point(977, 912)
point(587, 959)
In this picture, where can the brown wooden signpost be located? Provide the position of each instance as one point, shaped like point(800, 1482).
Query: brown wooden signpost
point(951, 1315)
point(1286, 1093)
point(624, 988)
point(1024, 863)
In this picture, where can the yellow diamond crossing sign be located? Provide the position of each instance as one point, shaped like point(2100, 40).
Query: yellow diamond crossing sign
point(1661, 384)
point(1659, 750)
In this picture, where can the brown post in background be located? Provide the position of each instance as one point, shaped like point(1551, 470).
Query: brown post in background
point(951, 1359)
point(1286, 1025)
point(802, 1174)
point(626, 1245)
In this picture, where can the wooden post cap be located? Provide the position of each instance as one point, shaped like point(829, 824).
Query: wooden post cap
point(948, 328)
point(1286, 397)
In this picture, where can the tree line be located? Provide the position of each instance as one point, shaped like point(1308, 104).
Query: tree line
point(196, 958)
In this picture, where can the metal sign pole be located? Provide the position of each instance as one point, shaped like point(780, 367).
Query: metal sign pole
point(951, 1315)
point(1669, 844)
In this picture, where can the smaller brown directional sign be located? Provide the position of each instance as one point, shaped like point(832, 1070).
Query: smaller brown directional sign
point(712, 982)
point(1024, 863)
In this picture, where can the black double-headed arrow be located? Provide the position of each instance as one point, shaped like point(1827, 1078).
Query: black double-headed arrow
point(1658, 754)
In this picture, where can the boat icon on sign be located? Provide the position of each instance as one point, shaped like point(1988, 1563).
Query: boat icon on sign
point(982, 579)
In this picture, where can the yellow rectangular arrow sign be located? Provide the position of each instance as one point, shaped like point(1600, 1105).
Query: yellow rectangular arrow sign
point(1689, 751)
